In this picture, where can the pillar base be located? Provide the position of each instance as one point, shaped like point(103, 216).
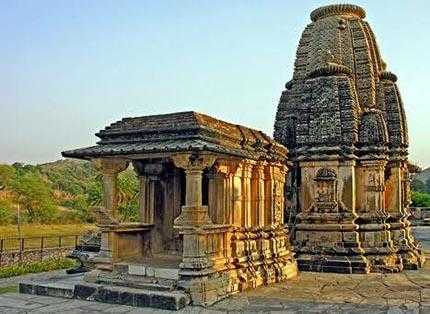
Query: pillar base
point(407, 248)
point(333, 264)
point(193, 216)
point(103, 262)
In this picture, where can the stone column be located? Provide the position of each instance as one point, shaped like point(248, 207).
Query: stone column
point(246, 193)
point(397, 205)
point(237, 196)
point(393, 191)
point(110, 169)
point(280, 172)
point(193, 213)
point(258, 195)
point(148, 175)
point(268, 193)
point(108, 213)
point(216, 191)
point(373, 218)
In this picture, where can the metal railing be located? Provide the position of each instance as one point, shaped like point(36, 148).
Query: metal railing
point(18, 247)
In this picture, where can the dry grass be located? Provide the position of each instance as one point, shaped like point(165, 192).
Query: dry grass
point(51, 233)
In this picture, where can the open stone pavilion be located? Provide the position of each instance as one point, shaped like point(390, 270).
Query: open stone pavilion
point(211, 207)
point(216, 198)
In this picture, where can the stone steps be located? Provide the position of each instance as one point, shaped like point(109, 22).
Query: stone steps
point(141, 282)
point(148, 271)
point(150, 295)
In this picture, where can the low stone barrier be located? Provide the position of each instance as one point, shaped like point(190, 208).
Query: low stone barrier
point(15, 251)
point(9, 258)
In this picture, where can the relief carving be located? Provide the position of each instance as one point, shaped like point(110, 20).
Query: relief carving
point(326, 191)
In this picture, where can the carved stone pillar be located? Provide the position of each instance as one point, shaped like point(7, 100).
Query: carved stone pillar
point(258, 195)
point(373, 218)
point(237, 196)
point(193, 213)
point(108, 213)
point(148, 174)
point(246, 193)
point(280, 172)
point(268, 193)
point(150, 188)
point(397, 205)
point(227, 170)
point(110, 169)
point(217, 195)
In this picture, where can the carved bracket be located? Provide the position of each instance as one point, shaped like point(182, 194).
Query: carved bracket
point(193, 161)
point(110, 166)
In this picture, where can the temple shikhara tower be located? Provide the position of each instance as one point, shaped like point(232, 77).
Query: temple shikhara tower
point(342, 119)
point(220, 203)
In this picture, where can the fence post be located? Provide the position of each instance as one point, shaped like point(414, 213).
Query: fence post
point(21, 248)
point(42, 245)
point(1, 251)
point(76, 240)
point(59, 241)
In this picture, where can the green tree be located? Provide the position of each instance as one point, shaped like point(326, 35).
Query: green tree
point(128, 191)
point(6, 211)
point(7, 174)
point(420, 199)
point(35, 197)
point(80, 208)
point(95, 192)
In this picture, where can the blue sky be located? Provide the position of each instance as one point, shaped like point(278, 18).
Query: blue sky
point(68, 68)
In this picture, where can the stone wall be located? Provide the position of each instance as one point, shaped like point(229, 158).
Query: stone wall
point(9, 258)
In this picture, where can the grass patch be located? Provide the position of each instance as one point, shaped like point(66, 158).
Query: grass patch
point(36, 267)
point(35, 230)
point(9, 289)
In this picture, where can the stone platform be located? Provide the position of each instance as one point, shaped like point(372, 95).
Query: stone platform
point(311, 292)
point(155, 295)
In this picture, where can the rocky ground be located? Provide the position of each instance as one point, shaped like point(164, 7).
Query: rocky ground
point(406, 292)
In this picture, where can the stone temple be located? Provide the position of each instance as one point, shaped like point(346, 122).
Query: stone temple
point(342, 119)
point(211, 208)
point(217, 200)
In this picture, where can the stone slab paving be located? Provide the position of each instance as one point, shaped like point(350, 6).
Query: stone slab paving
point(6, 282)
point(406, 292)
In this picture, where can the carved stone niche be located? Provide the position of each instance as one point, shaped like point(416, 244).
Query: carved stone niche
point(326, 191)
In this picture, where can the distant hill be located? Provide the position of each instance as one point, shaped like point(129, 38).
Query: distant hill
point(69, 176)
point(61, 190)
point(424, 175)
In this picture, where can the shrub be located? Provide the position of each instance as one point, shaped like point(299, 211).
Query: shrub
point(420, 199)
point(35, 197)
point(36, 267)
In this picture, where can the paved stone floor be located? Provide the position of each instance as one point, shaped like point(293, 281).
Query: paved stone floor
point(407, 292)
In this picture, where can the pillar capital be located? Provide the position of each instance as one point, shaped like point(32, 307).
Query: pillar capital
point(193, 161)
point(145, 168)
point(110, 166)
point(258, 170)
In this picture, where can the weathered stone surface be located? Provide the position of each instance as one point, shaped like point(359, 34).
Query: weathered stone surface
point(311, 292)
point(342, 115)
point(212, 216)
point(212, 194)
